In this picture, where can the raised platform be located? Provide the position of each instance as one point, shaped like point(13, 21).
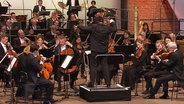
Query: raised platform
point(102, 93)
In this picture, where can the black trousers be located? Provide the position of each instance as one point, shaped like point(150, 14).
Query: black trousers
point(27, 88)
point(48, 85)
point(99, 64)
point(153, 74)
point(163, 80)
point(128, 76)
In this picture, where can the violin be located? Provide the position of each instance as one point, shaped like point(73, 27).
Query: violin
point(165, 55)
point(139, 52)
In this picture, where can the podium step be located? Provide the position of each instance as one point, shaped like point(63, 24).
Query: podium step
point(102, 93)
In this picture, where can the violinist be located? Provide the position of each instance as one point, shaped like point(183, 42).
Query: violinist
point(126, 38)
point(157, 70)
point(132, 72)
point(142, 36)
point(4, 63)
point(174, 65)
point(21, 41)
point(64, 48)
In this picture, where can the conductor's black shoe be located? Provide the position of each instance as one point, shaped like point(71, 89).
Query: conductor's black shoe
point(90, 84)
point(164, 97)
point(149, 97)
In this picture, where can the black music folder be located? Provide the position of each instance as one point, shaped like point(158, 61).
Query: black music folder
point(44, 13)
point(41, 31)
point(78, 8)
point(128, 50)
point(31, 37)
point(112, 58)
point(3, 10)
point(65, 31)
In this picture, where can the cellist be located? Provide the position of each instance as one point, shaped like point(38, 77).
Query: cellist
point(65, 48)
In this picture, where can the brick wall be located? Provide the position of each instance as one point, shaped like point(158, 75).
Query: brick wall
point(151, 11)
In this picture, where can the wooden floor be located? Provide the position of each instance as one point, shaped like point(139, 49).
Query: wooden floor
point(75, 99)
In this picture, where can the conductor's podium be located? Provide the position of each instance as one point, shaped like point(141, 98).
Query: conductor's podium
point(102, 93)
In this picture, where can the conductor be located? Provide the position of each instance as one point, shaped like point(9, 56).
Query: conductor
point(99, 45)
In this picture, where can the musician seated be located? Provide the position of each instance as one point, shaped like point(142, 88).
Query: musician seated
point(3, 29)
point(157, 70)
point(131, 74)
point(175, 68)
point(50, 34)
point(65, 48)
point(72, 21)
point(57, 24)
point(34, 25)
point(52, 19)
point(29, 64)
point(35, 16)
point(40, 42)
point(126, 38)
point(20, 42)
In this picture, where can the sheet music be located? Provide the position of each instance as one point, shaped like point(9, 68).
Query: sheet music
point(66, 61)
point(88, 52)
point(12, 64)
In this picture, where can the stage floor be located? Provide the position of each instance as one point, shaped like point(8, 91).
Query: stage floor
point(75, 99)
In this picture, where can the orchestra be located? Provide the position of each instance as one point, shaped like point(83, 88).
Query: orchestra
point(25, 42)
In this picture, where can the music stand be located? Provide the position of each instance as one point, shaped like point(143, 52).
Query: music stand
point(65, 31)
point(125, 50)
point(65, 62)
point(71, 23)
point(48, 53)
point(41, 31)
point(75, 8)
point(31, 37)
point(3, 10)
point(112, 59)
point(44, 13)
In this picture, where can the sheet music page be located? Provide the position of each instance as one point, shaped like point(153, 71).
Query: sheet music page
point(66, 61)
point(88, 52)
point(12, 64)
